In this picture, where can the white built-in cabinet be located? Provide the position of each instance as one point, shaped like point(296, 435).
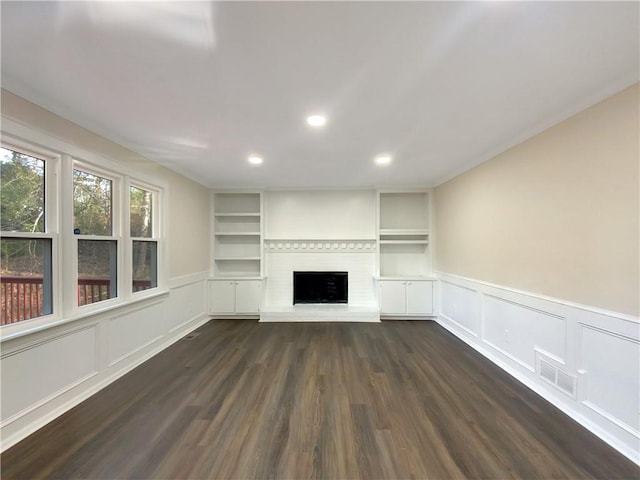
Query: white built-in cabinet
point(405, 278)
point(406, 297)
point(404, 275)
point(237, 253)
point(240, 297)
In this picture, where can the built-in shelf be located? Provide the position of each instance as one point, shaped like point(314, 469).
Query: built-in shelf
point(231, 259)
point(239, 214)
point(237, 247)
point(403, 234)
point(403, 242)
point(403, 231)
point(219, 234)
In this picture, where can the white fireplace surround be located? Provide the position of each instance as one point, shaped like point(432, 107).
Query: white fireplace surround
point(355, 256)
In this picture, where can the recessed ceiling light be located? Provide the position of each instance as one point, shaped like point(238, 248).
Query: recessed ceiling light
point(255, 159)
point(316, 120)
point(383, 159)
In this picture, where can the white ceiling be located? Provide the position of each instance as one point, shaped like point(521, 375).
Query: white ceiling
point(198, 86)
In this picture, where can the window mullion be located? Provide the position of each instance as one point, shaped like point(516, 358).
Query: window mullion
point(68, 243)
point(127, 248)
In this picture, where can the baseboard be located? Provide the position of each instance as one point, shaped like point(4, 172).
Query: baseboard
point(19, 435)
point(565, 336)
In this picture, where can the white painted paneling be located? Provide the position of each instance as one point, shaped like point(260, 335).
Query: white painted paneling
point(461, 305)
point(320, 214)
point(517, 329)
point(186, 303)
point(280, 268)
point(46, 373)
point(610, 367)
point(601, 349)
point(134, 330)
point(37, 372)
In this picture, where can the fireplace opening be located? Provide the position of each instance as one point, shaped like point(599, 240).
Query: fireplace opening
point(320, 287)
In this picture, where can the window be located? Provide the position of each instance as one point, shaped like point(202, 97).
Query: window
point(144, 241)
point(97, 246)
point(26, 246)
point(76, 236)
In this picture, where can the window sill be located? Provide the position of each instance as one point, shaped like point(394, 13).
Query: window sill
point(28, 327)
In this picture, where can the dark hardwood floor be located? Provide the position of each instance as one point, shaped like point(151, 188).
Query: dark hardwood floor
point(297, 401)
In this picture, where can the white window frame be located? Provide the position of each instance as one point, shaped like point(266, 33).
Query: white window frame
point(62, 157)
point(156, 237)
point(51, 227)
point(116, 235)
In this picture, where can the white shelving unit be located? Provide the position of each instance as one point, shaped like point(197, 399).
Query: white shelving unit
point(405, 280)
point(237, 232)
point(403, 234)
point(235, 288)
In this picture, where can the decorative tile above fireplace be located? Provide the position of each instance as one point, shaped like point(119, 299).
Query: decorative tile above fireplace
point(318, 246)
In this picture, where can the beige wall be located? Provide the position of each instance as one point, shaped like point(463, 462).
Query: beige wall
point(556, 215)
point(188, 221)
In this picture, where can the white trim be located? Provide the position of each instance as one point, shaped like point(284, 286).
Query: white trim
point(47, 399)
point(459, 325)
point(588, 308)
point(66, 388)
point(604, 424)
point(61, 158)
point(184, 280)
point(617, 422)
point(588, 424)
point(28, 235)
point(29, 327)
point(189, 326)
point(139, 347)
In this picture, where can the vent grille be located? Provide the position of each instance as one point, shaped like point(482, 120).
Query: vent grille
point(558, 378)
point(547, 371)
point(566, 382)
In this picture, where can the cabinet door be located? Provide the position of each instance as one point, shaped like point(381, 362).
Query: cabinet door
point(248, 295)
point(419, 297)
point(392, 297)
point(222, 296)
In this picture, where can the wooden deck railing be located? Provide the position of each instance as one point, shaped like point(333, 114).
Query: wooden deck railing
point(21, 298)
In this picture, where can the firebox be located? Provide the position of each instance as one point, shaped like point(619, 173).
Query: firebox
point(320, 287)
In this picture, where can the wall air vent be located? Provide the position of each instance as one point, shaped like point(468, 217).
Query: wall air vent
point(558, 378)
point(566, 382)
point(548, 372)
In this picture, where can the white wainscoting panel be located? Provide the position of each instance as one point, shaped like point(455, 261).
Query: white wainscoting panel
point(39, 371)
point(188, 302)
point(134, 330)
point(584, 360)
point(610, 376)
point(46, 373)
point(517, 330)
point(461, 305)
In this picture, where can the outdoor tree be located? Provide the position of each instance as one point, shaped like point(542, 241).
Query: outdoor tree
point(141, 225)
point(21, 210)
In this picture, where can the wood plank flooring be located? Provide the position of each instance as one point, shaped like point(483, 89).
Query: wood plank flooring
point(244, 400)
